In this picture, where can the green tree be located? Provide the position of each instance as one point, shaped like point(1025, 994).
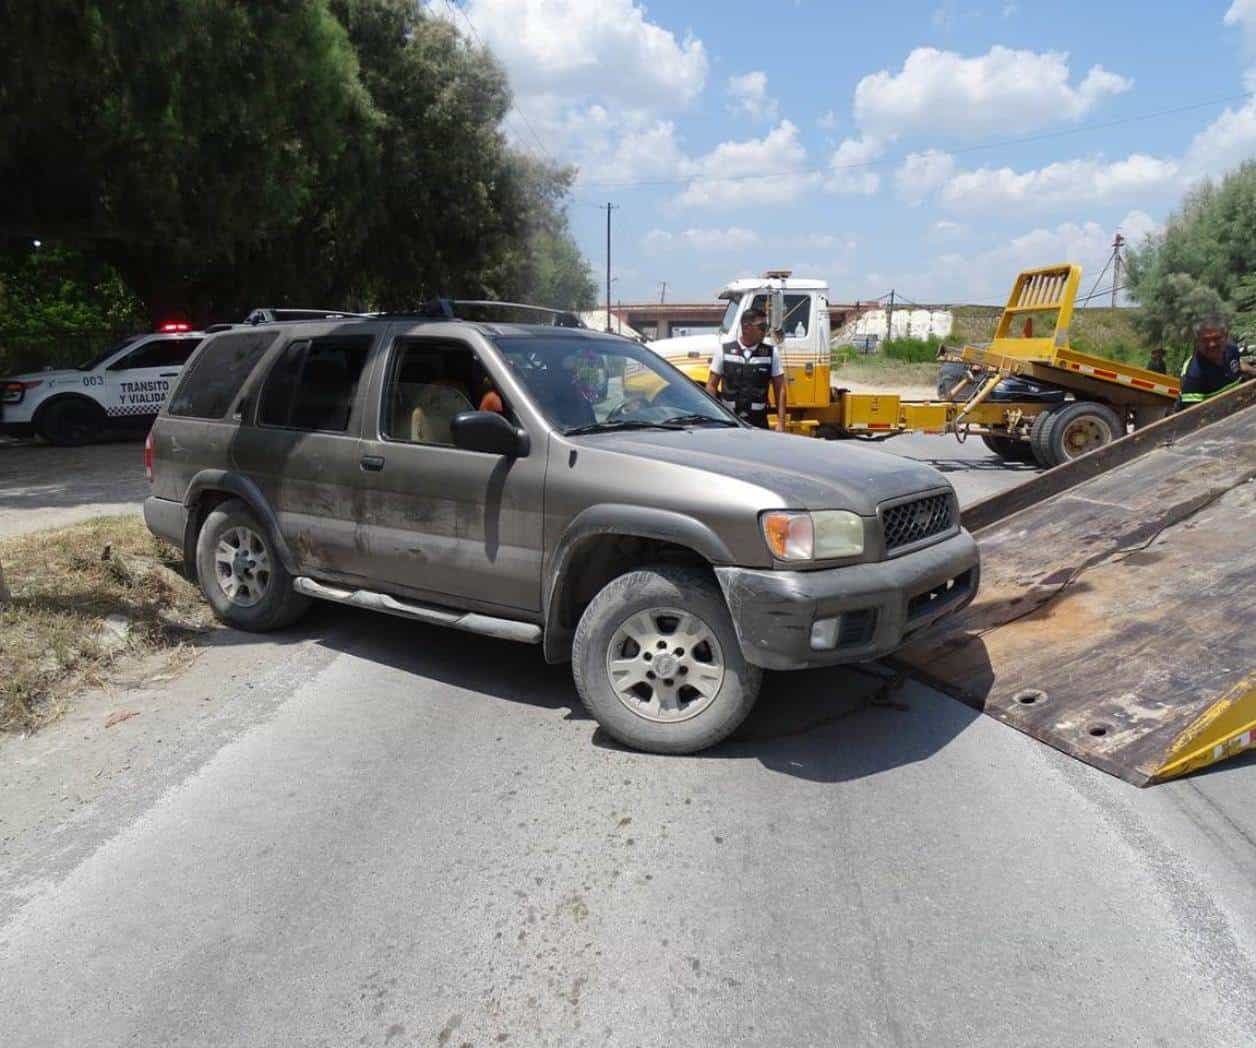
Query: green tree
point(174, 139)
point(1203, 263)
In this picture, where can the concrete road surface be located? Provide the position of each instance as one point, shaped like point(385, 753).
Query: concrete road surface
point(367, 832)
point(392, 835)
point(46, 487)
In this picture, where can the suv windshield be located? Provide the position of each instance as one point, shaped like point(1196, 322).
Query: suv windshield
point(600, 384)
point(100, 358)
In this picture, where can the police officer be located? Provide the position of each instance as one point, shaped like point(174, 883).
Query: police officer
point(1215, 365)
point(746, 366)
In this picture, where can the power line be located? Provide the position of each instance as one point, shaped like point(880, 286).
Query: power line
point(995, 144)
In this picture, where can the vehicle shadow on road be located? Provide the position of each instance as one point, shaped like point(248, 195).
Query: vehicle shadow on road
point(831, 725)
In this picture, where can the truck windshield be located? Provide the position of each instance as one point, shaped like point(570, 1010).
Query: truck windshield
point(730, 314)
point(589, 384)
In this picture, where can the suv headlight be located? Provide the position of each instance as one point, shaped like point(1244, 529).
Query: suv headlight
point(822, 535)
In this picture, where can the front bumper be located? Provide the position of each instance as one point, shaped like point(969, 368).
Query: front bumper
point(774, 611)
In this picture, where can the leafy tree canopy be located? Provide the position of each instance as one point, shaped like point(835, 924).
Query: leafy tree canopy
point(223, 155)
point(1203, 264)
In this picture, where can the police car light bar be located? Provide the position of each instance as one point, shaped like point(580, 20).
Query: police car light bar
point(172, 326)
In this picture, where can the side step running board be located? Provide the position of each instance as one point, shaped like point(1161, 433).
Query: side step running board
point(506, 629)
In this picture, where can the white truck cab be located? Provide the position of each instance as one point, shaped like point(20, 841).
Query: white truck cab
point(123, 387)
point(803, 332)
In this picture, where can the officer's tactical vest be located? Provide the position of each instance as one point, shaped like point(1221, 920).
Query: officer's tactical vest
point(744, 389)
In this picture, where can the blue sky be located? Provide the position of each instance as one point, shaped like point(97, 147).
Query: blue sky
point(876, 146)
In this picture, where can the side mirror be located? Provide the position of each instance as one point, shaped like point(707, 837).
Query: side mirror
point(489, 432)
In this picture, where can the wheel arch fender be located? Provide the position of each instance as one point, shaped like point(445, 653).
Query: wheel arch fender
point(615, 521)
point(42, 407)
point(210, 482)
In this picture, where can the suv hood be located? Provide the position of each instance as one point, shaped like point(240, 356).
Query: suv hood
point(804, 472)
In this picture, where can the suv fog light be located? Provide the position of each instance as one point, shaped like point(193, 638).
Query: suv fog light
point(824, 634)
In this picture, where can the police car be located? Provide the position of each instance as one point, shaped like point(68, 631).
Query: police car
point(122, 388)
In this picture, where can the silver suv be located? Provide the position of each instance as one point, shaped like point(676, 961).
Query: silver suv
point(548, 485)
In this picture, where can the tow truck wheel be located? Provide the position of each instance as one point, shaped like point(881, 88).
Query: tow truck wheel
point(1081, 427)
point(657, 661)
point(72, 422)
point(241, 576)
point(1040, 442)
point(1009, 449)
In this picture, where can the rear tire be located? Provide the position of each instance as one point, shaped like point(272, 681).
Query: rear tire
point(240, 573)
point(72, 422)
point(1040, 439)
point(1009, 449)
point(673, 619)
point(1081, 427)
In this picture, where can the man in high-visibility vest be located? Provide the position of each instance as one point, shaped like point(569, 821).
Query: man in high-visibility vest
point(743, 369)
point(1214, 367)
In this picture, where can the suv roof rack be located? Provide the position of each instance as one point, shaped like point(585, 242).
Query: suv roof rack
point(448, 309)
point(271, 315)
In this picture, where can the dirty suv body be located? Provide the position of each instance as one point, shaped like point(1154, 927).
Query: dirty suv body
point(548, 485)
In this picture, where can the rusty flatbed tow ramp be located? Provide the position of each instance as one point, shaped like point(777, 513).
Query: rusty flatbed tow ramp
point(1117, 614)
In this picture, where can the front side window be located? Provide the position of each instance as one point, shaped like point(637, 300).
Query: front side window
point(314, 382)
point(586, 384)
point(430, 383)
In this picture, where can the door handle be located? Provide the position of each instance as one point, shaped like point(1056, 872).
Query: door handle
point(168, 374)
point(373, 462)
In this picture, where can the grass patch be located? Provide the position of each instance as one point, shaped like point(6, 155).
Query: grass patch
point(53, 631)
point(876, 370)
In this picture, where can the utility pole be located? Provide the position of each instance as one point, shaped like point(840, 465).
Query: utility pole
point(889, 318)
point(609, 208)
point(662, 292)
point(1118, 242)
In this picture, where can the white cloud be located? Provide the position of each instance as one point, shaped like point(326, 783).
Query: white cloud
point(750, 97)
point(622, 147)
point(1009, 10)
point(1225, 143)
point(610, 50)
point(945, 229)
point(922, 173)
point(941, 92)
point(827, 121)
point(768, 170)
point(1064, 183)
point(987, 275)
point(734, 238)
point(1242, 13)
point(656, 241)
point(850, 171)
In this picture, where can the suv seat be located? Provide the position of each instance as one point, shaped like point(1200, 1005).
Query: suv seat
point(423, 411)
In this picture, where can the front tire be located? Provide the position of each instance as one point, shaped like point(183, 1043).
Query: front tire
point(240, 573)
point(657, 662)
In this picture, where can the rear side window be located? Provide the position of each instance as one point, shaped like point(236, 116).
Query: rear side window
point(216, 375)
point(159, 353)
point(314, 382)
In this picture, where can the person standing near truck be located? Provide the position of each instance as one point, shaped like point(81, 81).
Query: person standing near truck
point(1215, 365)
point(744, 368)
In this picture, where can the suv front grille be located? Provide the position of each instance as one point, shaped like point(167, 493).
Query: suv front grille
point(910, 522)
